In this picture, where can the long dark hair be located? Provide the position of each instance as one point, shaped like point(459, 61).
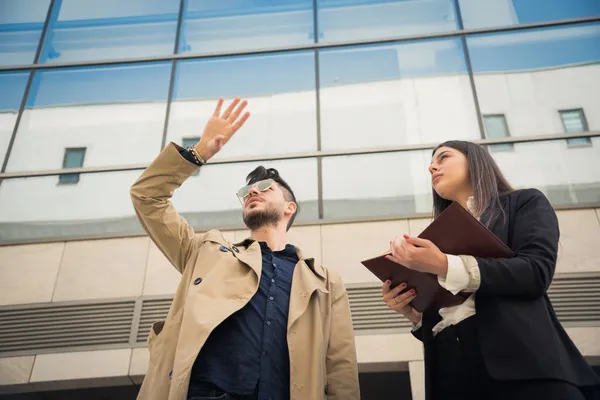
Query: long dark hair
point(486, 179)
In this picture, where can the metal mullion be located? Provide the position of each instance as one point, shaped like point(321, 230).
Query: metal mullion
point(286, 49)
point(182, 6)
point(467, 56)
point(318, 111)
point(310, 154)
point(38, 51)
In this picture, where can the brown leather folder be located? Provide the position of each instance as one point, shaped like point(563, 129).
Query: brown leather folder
point(454, 231)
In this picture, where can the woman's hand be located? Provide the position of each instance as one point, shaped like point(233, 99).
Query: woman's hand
point(418, 254)
point(400, 302)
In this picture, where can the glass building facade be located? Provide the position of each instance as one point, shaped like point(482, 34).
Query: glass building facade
point(348, 99)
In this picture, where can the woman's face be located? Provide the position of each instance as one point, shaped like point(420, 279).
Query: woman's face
point(449, 170)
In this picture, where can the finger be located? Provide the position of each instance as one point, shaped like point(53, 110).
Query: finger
point(385, 288)
point(394, 292)
point(397, 250)
point(415, 241)
point(218, 108)
point(238, 124)
point(236, 113)
point(402, 304)
point(231, 107)
point(404, 296)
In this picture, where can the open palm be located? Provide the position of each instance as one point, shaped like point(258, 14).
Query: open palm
point(221, 127)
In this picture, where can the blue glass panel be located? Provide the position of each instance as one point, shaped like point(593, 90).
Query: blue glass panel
point(533, 49)
point(489, 13)
point(116, 112)
point(91, 30)
point(528, 75)
point(104, 84)
point(395, 94)
point(229, 25)
point(12, 87)
point(21, 24)
point(248, 76)
point(280, 90)
point(342, 20)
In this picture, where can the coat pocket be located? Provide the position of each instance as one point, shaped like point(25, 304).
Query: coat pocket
point(155, 330)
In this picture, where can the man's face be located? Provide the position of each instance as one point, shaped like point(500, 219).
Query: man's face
point(263, 203)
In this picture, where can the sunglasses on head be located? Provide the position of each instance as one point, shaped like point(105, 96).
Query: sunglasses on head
point(260, 186)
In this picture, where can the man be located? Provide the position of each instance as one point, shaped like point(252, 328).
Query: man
point(252, 320)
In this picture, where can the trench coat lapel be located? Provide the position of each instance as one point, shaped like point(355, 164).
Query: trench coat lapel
point(307, 279)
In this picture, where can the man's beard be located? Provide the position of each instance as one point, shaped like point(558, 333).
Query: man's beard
point(257, 219)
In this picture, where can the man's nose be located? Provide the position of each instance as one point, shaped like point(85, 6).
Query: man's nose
point(253, 191)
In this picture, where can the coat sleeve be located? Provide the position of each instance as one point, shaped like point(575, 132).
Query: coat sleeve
point(151, 196)
point(342, 368)
point(535, 235)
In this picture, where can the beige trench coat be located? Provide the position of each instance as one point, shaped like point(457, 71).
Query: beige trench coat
point(215, 284)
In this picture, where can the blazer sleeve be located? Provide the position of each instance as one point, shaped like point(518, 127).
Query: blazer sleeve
point(535, 236)
point(151, 196)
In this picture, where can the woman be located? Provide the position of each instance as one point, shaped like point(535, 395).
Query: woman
point(504, 341)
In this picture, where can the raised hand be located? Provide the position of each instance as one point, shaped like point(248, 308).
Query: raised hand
point(221, 127)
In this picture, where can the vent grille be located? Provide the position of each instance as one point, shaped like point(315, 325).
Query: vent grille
point(370, 312)
point(152, 311)
point(576, 298)
point(52, 326)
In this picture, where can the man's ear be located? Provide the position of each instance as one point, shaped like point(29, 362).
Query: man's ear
point(290, 208)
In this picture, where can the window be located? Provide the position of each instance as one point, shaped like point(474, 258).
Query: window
point(12, 87)
point(574, 122)
point(85, 31)
point(73, 159)
point(488, 13)
point(280, 90)
point(118, 111)
point(376, 19)
point(21, 24)
point(210, 26)
point(530, 74)
point(497, 128)
point(394, 95)
point(190, 141)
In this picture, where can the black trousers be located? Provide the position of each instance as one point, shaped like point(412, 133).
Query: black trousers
point(460, 373)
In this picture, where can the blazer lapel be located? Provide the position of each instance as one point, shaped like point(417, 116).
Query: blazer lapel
point(500, 224)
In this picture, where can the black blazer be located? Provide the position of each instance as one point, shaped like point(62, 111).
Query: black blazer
point(521, 337)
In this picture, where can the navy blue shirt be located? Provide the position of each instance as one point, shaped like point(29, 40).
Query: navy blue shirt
point(248, 352)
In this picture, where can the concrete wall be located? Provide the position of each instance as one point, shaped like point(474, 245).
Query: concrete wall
point(130, 267)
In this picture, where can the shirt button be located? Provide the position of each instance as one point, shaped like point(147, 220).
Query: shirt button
point(264, 353)
point(224, 249)
point(268, 322)
point(197, 281)
point(272, 280)
point(271, 298)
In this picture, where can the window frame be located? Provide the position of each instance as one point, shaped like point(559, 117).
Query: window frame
point(501, 146)
point(570, 144)
point(74, 175)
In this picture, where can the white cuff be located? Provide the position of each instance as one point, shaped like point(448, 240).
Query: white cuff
point(457, 278)
point(417, 326)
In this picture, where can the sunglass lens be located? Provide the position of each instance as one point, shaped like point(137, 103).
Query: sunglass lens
point(264, 185)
